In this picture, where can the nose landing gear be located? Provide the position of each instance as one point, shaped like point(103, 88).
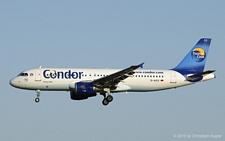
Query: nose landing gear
point(38, 95)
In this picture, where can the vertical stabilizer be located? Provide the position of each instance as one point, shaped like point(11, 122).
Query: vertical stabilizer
point(194, 61)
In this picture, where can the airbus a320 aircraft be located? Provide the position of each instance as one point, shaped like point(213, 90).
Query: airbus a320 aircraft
point(85, 83)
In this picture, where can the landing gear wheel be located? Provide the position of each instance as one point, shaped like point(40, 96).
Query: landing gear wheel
point(37, 100)
point(105, 102)
point(109, 98)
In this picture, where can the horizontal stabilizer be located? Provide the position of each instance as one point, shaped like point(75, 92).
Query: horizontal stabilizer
point(199, 75)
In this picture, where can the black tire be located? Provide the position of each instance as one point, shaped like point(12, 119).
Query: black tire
point(109, 98)
point(105, 102)
point(37, 100)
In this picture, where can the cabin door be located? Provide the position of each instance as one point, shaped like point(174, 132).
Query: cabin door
point(38, 75)
point(173, 77)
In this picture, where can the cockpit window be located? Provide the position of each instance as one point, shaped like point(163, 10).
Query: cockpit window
point(23, 74)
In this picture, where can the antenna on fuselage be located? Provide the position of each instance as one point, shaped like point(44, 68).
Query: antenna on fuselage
point(40, 67)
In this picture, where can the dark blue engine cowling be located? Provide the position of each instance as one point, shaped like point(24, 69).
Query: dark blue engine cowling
point(82, 90)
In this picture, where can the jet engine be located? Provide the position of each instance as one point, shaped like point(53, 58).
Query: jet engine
point(83, 90)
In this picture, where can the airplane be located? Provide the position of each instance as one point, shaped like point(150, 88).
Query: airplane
point(85, 83)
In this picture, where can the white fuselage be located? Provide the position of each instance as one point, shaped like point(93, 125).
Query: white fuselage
point(57, 79)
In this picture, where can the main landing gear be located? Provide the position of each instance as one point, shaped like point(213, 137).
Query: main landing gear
point(38, 95)
point(107, 99)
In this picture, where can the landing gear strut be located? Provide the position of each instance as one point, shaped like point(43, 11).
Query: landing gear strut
point(38, 95)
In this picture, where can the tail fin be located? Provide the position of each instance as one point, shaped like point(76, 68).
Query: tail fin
point(195, 60)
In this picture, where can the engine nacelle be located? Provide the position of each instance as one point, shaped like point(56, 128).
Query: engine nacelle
point(83, 90)
point(75, 96)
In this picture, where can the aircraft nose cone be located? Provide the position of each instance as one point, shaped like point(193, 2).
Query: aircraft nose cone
point(12, 82)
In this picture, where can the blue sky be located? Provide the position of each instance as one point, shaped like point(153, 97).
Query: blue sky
point(110, 34)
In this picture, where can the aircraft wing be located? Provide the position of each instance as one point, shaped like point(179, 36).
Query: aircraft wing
point(110, 81)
